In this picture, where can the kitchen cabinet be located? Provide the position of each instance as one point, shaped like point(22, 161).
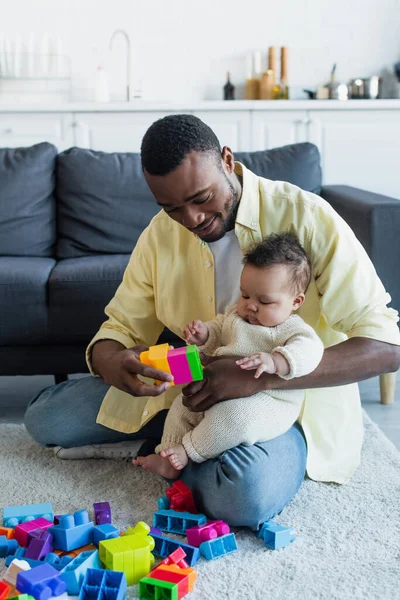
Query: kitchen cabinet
point(271, 128)
point(113, 132)
point(359, 148)
point(232, 128)
point(26, 129)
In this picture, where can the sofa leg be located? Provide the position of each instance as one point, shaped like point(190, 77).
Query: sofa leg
point(60, 377)
point(387, 385)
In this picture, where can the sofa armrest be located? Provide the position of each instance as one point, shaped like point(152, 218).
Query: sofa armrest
point(375, 220)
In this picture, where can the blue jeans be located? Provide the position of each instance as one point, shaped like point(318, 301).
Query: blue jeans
point(244, 486)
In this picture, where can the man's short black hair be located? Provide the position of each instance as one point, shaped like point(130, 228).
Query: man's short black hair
point(168, 141)
point(283, 249)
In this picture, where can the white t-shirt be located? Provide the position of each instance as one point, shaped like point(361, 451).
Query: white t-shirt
point(227, 268)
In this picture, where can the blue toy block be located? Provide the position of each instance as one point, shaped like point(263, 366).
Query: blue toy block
point(163, 502)
point(104, 532)
point(218, 547)
point(276, 536)
point(14, 515)
point(58, 562)
point(103, 585)
point(72, 531)
point(165, 546)
point(7, 546)
point(74, 573)
point(172, 521)
point(41, 582)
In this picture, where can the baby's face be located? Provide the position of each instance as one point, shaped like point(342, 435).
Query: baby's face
point(266, 296)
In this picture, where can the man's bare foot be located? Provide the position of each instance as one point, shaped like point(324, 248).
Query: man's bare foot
point(177, 456)
point(157, 464)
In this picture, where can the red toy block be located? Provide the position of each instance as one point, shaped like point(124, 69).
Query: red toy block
point(181, 498)
point(22, 530)
point(206, 532)
point(171, 571)
point(4, 590)
point(177, 557)
point(180, 580)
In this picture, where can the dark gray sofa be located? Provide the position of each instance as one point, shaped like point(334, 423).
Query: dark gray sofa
point(69, 221)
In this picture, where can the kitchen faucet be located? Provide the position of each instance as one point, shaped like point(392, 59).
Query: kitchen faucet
point(128, 58)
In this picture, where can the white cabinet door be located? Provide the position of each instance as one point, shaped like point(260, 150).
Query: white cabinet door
point(273, 128)
point(113, 132)
point(359, 148)
point(26, 129)
point(232, 127)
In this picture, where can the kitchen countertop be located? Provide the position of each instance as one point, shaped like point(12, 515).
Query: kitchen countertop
point(233, 105)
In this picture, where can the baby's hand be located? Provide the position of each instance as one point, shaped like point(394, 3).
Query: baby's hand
point(263, 362)
point(196, 332)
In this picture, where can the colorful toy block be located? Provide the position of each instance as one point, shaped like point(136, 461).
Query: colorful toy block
point(163, 502)
point(40, 545)
point(74, 573)
point(184, 578)
point(53, 559)
point(4, 590)
point(15, 567)
point(165, 546)
point(7, 546)
point(104, 532)
point(41, 582)
point(176, 558)
point(22, 597)
point(14, 515)
point(103, 585)
point(77, 551)
point(218, 547)
point(154, 589)
point(22, 531)
point(206, 532)
point(276, 536)
point(130, 554)
point(172, 521)
point(183, 363)
point(155, 530)
point(181, 498)
point(102, 513)
point(8, 532)
point(72, 531)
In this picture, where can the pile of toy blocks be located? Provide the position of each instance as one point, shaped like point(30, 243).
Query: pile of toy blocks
point(51, 555)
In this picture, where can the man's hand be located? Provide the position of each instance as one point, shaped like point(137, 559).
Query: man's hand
point(223, 380)
point(119, 367)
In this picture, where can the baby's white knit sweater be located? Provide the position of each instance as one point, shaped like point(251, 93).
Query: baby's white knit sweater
point(230, 335)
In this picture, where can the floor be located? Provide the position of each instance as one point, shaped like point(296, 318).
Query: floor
point(15, 393)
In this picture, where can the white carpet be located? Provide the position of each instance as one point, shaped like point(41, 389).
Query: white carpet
point(347, 544)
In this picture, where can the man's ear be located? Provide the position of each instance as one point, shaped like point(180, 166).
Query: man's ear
point(228, 159)
point(298, 301)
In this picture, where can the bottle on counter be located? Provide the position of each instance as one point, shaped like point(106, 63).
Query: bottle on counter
point(267, 84)
point(229, 88)
point(101, 91)
point(281, 90)
point(253, 77)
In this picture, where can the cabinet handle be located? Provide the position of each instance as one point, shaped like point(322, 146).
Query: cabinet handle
point(8, 131)
point(303, 121)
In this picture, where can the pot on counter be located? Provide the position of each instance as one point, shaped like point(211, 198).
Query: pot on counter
point(367, 88)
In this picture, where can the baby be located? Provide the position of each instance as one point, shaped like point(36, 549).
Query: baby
point(264, 329)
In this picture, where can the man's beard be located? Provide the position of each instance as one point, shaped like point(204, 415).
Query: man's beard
point(231, 206)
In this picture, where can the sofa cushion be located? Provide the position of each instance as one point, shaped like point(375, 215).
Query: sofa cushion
point(79, 290)
point(23, 299)
point(103, 202)
point(297, 163)
point(27, 204)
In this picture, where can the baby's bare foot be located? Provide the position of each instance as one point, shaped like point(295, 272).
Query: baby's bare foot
point(157, 464)
point(177, 456)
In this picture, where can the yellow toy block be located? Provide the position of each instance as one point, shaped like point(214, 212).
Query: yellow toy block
point(130, 554)
point(157, 357)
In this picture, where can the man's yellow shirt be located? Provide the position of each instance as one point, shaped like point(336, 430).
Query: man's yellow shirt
point(169, 281)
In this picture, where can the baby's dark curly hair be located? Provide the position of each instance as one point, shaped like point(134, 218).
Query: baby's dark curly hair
point(283, 249)
point(169, 140)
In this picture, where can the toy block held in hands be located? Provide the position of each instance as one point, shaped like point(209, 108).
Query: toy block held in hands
point(276, 536)
point(14, 515)
point(183, 363)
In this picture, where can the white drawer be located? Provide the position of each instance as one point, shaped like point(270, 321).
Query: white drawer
point(24, 129)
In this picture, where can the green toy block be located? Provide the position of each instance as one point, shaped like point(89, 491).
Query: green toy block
point(155, 589)
point(195, 365)
point(22, 597)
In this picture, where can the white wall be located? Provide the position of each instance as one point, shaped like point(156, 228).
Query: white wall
point(183, 48)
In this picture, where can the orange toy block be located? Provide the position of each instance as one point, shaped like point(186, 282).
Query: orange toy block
point(175, 574)
point(157, 357)
point(8, 532)
point(76, 552)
